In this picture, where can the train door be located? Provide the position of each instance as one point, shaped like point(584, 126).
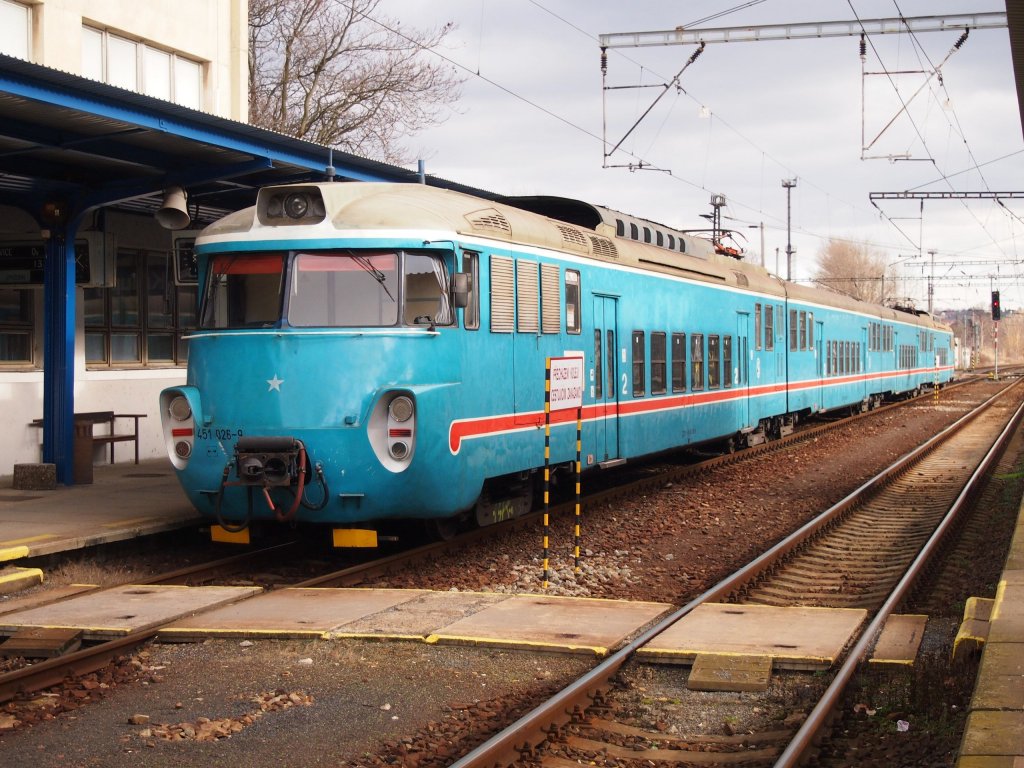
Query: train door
point(743, 355)
point(604, 379)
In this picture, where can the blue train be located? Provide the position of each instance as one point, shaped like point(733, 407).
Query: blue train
point(374, 352)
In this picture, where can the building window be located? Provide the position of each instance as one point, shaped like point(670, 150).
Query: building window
point(15, 29)
point(658, 363)
point(141, 321)
point(142, 68)
point(639, 364)
point(16, 330)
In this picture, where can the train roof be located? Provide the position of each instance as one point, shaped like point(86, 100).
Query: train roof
point(556, 223)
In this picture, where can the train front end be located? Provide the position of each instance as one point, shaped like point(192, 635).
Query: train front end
point(319, 372)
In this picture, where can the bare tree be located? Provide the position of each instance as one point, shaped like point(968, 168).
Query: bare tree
point(855, 269)
point(337, 73)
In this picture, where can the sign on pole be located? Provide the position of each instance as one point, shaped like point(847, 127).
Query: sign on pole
point(566, 383)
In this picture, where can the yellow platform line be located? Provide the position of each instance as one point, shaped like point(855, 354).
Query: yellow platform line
point(133, 521)
point(515, 643)
point(12, 581)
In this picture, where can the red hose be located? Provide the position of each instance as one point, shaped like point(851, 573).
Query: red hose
point(284, 518)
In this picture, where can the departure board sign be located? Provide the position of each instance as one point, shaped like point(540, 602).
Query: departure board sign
point(23, 263)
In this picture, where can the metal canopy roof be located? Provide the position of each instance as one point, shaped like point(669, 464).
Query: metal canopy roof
point(63, 136)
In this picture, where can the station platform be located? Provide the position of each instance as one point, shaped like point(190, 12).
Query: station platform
point(994, 734)
point(123, 501)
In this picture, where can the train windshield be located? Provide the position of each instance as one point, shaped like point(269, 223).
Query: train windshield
point(244, 291)
point(327, 289)
point(353, 288)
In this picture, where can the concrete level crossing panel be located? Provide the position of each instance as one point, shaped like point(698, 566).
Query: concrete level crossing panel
point(291, 613)
point(568, 624)
point(122, 610)
point(795, 637)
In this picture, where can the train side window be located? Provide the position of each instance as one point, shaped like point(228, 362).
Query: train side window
point(471, 314)
point(714, 362)
point(793, 330)
point(572, 301)
point(727, 362)
point(639, 364)
point(803, 330)
point(550, 301)
point(810, 330)
point(697, 361)
point(598, 366)
point(678, 362)
point(658, 351)
point(609, 357)
point(757, 326)
point(769, 327)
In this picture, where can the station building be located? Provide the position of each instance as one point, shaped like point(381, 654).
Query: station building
point(112, 114)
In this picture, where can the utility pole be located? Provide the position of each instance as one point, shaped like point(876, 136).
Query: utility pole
point(788, 185)
point(931, 282)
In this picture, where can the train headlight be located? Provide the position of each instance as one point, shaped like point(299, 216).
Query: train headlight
point(398, 449)
point(400, 409)
point(179, 409)
point(296, 205)
point(183, 449)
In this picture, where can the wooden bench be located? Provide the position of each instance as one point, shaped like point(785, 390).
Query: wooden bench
point(110, 437)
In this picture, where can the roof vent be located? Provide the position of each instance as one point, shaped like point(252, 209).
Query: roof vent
point(741, 279)
point(491, 220)
point(573, 238)
point(602, 246)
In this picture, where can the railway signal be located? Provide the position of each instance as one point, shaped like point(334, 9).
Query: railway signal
point(996, 311)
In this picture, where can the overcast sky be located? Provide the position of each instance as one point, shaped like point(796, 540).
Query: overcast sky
point(749, 115)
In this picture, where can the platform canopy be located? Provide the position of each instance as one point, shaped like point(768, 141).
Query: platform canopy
point(69, 145)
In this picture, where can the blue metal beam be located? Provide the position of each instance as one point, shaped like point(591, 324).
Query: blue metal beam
point(201, 128)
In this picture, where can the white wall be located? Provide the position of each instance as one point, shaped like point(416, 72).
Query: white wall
point(210, 31)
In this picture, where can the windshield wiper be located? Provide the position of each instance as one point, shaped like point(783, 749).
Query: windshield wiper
point(375, 273)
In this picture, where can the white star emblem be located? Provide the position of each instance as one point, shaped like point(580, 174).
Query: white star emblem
point(274, 383)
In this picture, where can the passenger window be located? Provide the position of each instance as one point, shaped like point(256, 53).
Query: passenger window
point(678, 362)
point(810, 330)
point(714, 362)
point(658, 363)
point(757, 326)
point(793, 331)
point(727, 361)
point(471, 314)
point(639, 364)
point(572, 301)
point(697, 361)
point(598, 369)
point(769, 327)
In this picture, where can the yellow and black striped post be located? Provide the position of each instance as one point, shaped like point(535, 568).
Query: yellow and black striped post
point(547, 461)
point(579, 430)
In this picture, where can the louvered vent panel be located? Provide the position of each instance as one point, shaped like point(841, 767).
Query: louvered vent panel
point(502, 295)
point(489, 220)
point(603, 247)
point(527, 297)
point(550, 299)
point(573, 239)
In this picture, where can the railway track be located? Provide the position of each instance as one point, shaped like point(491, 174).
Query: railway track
point(54, 671)
point(863, 532)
